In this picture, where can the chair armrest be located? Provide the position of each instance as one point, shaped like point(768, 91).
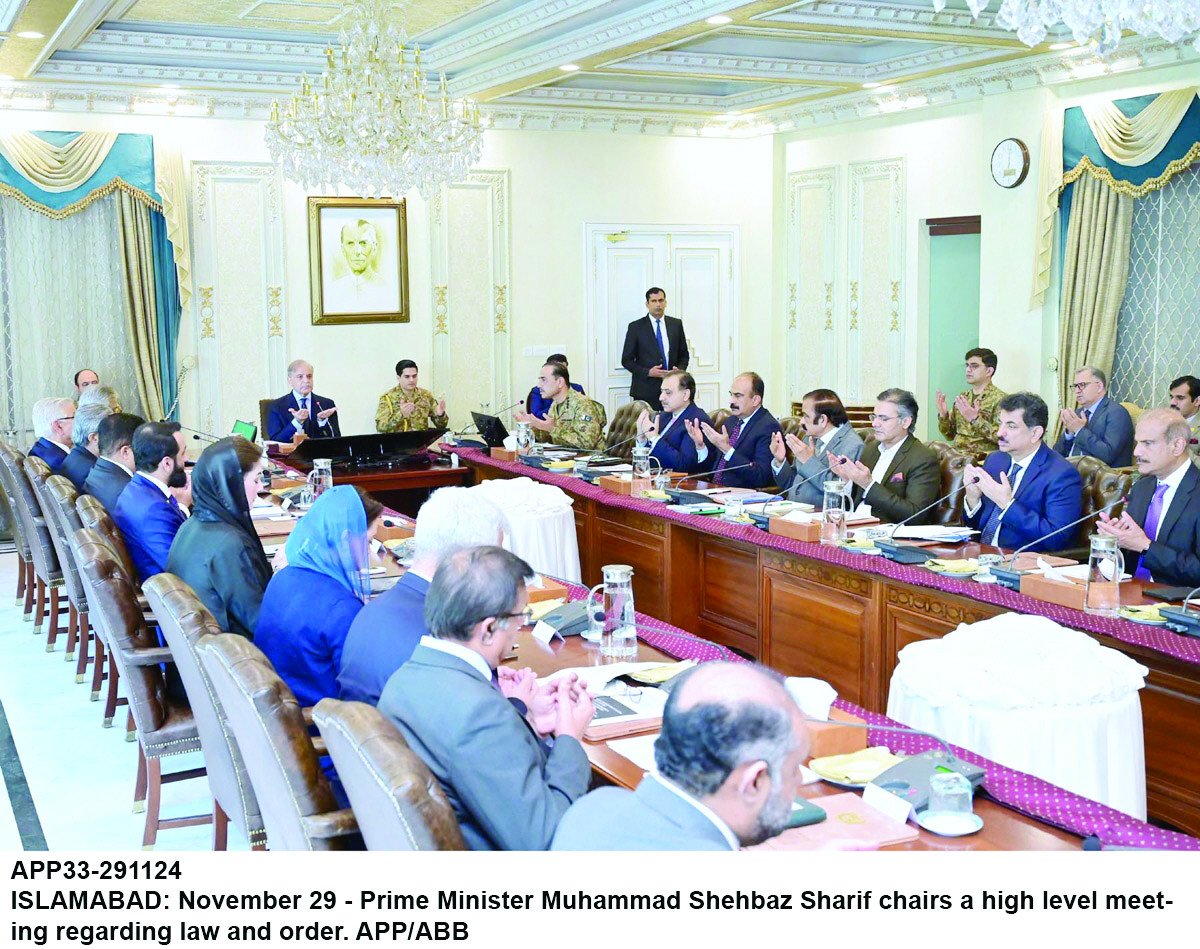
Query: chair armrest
point(38, 520)
point(147, 655)
point(330, 824)
point(319, 745)
point(307, 712)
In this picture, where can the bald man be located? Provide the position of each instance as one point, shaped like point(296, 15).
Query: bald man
point(728, 760)
point(1160, 527)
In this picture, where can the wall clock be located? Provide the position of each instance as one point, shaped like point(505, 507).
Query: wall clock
point(1010, 163)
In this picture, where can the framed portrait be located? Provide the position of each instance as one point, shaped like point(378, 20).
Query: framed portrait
point(358, 258)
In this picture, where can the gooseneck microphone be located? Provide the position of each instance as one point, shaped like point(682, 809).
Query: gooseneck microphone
point(198, 435)
point(945, 497)
point(705, 474)
point(1020, 550)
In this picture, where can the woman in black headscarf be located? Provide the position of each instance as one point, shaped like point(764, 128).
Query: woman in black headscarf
point(217, 551)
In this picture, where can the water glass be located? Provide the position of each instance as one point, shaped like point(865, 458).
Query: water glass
point(950, 793)
point(734, 509)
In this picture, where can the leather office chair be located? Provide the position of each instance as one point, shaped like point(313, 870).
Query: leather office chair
point(952, 463)
point(57, 495)
point(398, 803)
point(264, 410)
point(718, 418)
point(299, 810)
point(1135, 411)
point(41, 547)
point(93, 515)
point(623, 428)
point(26, 581)
point(791, 425)
point(1101, 486)
point(163, 724)
point(183, 620)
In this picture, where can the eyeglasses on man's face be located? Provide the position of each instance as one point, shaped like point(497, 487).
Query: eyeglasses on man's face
point(1080, 386)
point(525, 616)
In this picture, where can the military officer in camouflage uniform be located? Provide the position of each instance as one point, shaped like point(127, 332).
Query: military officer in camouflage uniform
point(573, 419)
point(971, 424)
point(407, 408)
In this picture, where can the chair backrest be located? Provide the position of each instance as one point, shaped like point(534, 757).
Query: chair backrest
point(953, 464)
point(55, 493)
point(397, 801)
point(183, 620)
point(113, 600)
point(8, 456)
point(264, 412)
point(718, 418)
point(268, 726)
point(1101, 486)
point(791, 425)
point(1135, 411)
point(94, 516)
point(41, 545)
point(623, 428)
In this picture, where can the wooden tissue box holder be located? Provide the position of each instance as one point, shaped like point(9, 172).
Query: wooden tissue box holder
point(1053, 591)
point(503, 454)
point(829, 739)
point(549, 590)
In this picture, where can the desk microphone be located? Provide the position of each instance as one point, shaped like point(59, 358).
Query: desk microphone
point(199, 435)
point(705, 474)
point(904, 553)
point(1021, 550)
point(947, 497)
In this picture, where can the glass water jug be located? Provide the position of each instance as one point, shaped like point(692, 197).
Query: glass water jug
point(319, 480)
point(524, 438)
point(834, 510)
point(614, 600)
point(1102, 589)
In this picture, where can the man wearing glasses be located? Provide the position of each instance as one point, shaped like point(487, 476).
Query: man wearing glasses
point(1101, 427)
point(897, 475)
point(54, 424)
point(970, 423)
point(484, 740)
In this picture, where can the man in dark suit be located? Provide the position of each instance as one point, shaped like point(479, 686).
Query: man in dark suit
point(654, 346)
point(667, 431)
point(896, 474)
point(1101, 427)
point(79, 463)
point(741, 454)
point(828, 429)
point(728, 761)
point(84, 379)
point(147, 512)
point(53, 423)
point(508, 786)
point(302, 410)
point(115, 466)
point(1024, 491)
point(1160, 527)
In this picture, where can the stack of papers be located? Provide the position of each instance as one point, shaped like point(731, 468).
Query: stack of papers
point(946, 534)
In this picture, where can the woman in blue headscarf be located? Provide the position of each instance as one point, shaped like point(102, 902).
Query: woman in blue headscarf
point(309, 604)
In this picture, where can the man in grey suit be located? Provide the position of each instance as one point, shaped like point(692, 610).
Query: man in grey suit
point(828, 429)
point(488, 751)
point(1101, 427)
point(728, 761)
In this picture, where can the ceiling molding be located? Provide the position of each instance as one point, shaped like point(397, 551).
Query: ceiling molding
point(506, 28)
point(583, 98)
point(913, 22)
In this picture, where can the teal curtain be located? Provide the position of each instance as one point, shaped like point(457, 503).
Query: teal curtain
point(131, 159)
point(1080, 143)
point(166, 286)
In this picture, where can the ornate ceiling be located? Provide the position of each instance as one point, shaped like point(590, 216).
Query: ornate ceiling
point(656, 65)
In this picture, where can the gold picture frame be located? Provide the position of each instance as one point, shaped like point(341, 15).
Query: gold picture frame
point(358, 261)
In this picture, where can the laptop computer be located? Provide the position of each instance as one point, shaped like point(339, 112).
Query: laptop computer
point(491, 429)
point(245, 429)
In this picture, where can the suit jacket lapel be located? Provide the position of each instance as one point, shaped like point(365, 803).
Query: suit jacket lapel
point(897, 459)
point(1032, 470)
point(1183, 497)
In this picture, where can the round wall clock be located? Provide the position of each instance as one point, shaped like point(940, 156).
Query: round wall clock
point(1010, 163)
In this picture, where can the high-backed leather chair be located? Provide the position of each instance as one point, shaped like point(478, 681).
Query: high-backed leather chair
point(791, 425)
point(94, 515)
point(58, 496)
point(183, 620)
point(718, 418)
point(619, 442)
point(298, 806)
point(41, 547)
point(1102, 486)
point(1135, 411)
point(398, 803)
point(26, 581)
point(164, 725)
point(264, 412)
point(953, 463)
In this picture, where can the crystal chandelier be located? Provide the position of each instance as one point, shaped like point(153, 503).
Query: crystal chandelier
point(374, 125)
point(1101, 20)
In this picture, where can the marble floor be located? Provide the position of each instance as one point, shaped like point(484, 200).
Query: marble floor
point(69, 781)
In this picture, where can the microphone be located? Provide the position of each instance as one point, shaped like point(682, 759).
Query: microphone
point(199, 435)
point(947, 497)
point(499, 412)
point(705, 474)
point(902, 553)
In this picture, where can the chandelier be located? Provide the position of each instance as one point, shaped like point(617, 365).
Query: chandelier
point(1099, 20)
point(374, 124)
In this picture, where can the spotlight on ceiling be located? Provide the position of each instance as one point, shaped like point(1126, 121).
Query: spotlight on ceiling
point(31, 35)
point(569, 67)
point(719, 20)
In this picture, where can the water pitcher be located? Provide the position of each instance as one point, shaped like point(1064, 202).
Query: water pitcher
point(1102, 590)
point(614, 597)
point(319, 480)
point(524, 437)
point(834, 509)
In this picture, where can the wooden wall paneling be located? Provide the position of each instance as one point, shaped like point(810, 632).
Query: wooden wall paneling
point(812, 223)
point(623, 536)
point(725, 586)
point(1171, 724)
point(822, 621)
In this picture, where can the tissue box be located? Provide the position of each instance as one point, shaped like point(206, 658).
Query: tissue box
point(549, 590)
point(1053, 591)
point(615, 484)
point(399, 532)
point(503, 454)
point(829, 739)
point(809, 533)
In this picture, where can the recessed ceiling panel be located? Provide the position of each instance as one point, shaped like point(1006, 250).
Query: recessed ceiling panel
point(698, 87)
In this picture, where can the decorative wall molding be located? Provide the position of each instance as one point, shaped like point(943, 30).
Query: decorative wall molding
point(240, 310)
point(915, 20)
point(497, 186)
point(812, 230)
point(875, 271)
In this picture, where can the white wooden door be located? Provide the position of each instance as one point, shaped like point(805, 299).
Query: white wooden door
point(696, 267)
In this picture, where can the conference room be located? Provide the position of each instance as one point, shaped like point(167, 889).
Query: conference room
point(661, 426)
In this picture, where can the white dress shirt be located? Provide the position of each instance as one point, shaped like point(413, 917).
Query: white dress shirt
point(702, 451)
point(312, 411)
point(66, 448)
point(730, 837)
point(1172, 481)
point(459, 651)
point(819, 450)
point(674, 417)
point(164, 489)
point(113, 461)
point(655, 325)
point(885, 461)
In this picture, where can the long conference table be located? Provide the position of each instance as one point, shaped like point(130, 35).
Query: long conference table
point(809, 610)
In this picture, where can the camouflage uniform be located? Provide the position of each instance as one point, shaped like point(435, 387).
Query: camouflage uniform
point(978, 437)
point(1194, 441)
point(578, 421)
point(389, 418)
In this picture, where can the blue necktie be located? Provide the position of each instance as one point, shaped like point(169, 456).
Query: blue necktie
point(661, 347)
point(989, 533)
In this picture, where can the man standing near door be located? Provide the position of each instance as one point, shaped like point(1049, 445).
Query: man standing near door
point(655, 346)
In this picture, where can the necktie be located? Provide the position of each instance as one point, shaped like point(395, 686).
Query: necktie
point(1087, 414)
point(733, 426)
point(991, 525)
point(661, 347)
point(174, 503)
point(1154, 515)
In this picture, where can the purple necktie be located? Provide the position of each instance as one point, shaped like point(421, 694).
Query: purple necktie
point(736, 423)
point(1154, 515)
